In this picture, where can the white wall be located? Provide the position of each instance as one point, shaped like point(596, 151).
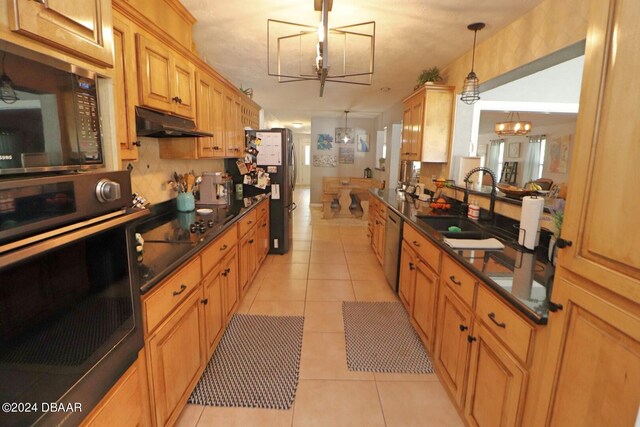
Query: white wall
point(303, 172)
point(362, 160)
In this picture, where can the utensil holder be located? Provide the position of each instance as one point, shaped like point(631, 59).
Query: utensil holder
point(185, 202)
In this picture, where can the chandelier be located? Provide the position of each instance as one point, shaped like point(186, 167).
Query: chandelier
point(299, 52)
point(512, 127)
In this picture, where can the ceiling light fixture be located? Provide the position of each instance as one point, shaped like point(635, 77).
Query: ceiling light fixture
point(297, 125)
point(346, 138)
point(512, 127)
point(471, 89)
point(294, 48)
point(7, 93)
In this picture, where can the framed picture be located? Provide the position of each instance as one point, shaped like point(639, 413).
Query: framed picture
point(514, 150)
point(362, 142)
point(325, 141)
point(346, 154)
point(325, 160)
point(341, 133)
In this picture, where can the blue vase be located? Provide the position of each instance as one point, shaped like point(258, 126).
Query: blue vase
point(185, 202)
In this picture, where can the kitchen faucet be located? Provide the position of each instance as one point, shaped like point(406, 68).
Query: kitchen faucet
point(492, 205)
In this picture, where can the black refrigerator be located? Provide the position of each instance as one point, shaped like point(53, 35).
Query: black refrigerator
point(275, 157)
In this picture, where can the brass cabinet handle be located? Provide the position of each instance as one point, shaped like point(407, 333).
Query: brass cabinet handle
point(182, 289)
point(456, 282)
point(415, 243)
point(492, 316)
point(223, 247)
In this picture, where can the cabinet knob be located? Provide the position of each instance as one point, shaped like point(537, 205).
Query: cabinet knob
point(412, 266)
point(205, 301)
point(136, 143)
point(415, 243)
point(251, 242)
point(463, 328)
point(471, 338)
point(175, 99)
point(223, 247)
point(562, 243)
point(455, 281)
point(553, 307)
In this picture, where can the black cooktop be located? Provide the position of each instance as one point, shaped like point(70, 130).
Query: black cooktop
point(185, 227)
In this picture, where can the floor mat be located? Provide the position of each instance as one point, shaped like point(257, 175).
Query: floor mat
point(256, 364)
point(380, 338)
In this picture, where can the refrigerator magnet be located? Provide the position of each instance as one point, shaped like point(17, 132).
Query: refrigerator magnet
point(275, 191)
point(242, 168)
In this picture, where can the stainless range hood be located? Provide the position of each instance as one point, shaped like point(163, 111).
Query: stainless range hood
point(155, 124)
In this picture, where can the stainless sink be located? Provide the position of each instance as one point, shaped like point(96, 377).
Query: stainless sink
point(469, 229)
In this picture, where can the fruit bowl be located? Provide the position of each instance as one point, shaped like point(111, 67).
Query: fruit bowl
point(513, 191)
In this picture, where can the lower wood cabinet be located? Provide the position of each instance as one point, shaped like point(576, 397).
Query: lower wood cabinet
point(248, 247)
point(425, 303)
point(452, 343)
point(214, 307)
point(496, 383)
point(229, 272)
point(127, 403)
point(407, 276)
point(176, 358)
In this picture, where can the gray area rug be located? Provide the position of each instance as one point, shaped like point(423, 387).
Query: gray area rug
point(380, 338)
point(255, 365)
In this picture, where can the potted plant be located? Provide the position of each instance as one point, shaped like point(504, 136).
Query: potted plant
point(429, 75)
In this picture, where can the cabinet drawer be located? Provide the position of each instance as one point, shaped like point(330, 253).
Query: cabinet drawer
point(510, 328)
point(426, 250)
point(169, 294)
point(459, 280)
point(219, 248)
point(248, 221)
point(263, 208)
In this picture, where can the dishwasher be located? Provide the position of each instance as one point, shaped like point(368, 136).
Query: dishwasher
point(392, 239)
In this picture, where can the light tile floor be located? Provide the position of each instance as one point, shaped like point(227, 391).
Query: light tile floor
point(326, 265)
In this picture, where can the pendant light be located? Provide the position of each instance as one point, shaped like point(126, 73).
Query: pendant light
point(346, 138)
point(7, 93)
point(471, 89)
point(512, 127)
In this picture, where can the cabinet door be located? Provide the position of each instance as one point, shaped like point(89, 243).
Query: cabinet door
point(155, 74)
point(598, 353)
point(232, 124)
point(218, 120)
point(213, 308)
point(407, 276)
point(437, 125)
point(248, 257)
point(81, 28)
point(452, 345)
point(407, 133)
point(176, 359)
point(124, 88)
point(496, 383)
point(204, 98)
point(230, 283)
point(184, 92)
point(415, 143)
point(425, 303)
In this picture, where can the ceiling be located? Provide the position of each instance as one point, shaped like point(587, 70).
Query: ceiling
point(411, 35)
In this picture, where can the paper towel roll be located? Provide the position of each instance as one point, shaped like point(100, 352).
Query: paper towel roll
point(530, 221)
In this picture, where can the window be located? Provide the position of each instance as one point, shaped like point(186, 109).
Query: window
point(307, 154)
point(535, 158)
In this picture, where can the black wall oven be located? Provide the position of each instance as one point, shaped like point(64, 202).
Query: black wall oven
point(70, 322)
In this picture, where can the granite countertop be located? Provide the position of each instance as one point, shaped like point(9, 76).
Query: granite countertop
point(523, 278)
point(169, 243)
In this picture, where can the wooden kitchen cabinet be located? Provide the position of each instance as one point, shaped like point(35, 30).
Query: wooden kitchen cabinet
point(592, 376)
point(211, 116)
point(249, 112)
point(427, 124)
point(82, 29)
point(425, 303)
point(166, 80)
point(125, 91)
point(176, 358)
point(248, 247)
point(230, 285)
point(127, 403)
point(233, 124)
point(452, 343)
point(214, 307)
point(407, 276)
point(496, 383)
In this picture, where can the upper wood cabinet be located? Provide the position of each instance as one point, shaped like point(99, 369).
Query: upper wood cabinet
point(81, 28)
point(427, 123)
point(595, 331)
point(125, 91)
point(250, 113)
point(210, 97)
point(166, 79)
point(233, 124)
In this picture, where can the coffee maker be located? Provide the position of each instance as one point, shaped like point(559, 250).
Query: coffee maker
point(213, 189)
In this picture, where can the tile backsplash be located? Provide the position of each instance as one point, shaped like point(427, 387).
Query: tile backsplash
point(150, 173)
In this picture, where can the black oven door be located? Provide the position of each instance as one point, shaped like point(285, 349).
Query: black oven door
point(70, 322)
